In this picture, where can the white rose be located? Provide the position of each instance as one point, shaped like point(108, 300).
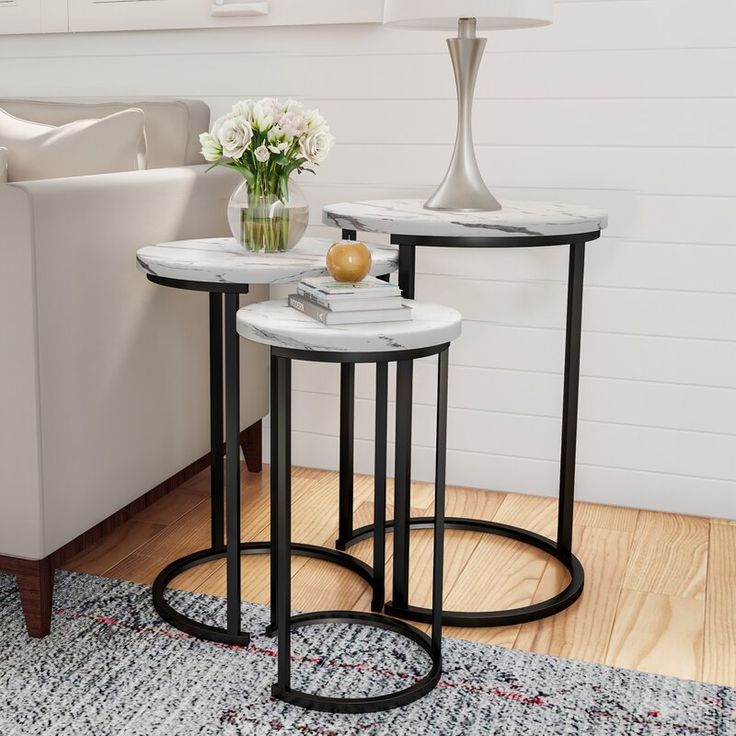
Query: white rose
point(211, 147)
point(244, 109)
point(235, 135)
point(315, 145)
point(262, 153)
point(215, 130)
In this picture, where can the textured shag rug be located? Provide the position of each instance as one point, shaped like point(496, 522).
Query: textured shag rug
point(111, 668)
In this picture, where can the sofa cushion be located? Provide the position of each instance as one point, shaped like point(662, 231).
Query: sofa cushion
point(3, 165)
point(172, 126)
point(38, 151)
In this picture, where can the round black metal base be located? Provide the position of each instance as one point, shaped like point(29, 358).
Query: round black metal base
point(371, 704)
point(509, 617)
point(215, 633)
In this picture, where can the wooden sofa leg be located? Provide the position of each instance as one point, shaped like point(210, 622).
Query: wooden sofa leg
point(251, 440)
point(36, 585)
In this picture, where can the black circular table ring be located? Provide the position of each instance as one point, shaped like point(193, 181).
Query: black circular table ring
point(367, 704)
point(218, 634)
point(281, 621)
point(561, 548)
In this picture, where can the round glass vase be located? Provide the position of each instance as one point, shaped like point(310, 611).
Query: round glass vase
point(262, 223)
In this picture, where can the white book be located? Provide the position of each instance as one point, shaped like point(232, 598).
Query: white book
point(369, 288)
point(350, 305)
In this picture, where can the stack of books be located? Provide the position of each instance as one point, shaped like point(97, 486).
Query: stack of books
point(336, 303)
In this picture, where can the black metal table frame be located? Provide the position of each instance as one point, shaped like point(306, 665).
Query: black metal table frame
point(561, 548)
point(227, 497)
point(281, 620)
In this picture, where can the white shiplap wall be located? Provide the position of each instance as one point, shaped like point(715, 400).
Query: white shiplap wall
point(624, 104)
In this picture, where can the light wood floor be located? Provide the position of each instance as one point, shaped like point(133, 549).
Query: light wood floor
point(660, 591)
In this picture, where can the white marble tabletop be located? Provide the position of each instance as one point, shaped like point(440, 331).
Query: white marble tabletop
point(516, 219)
point(222, 260)
point(275, 323)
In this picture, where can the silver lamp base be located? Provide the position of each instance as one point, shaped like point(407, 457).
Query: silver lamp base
point(463, 187)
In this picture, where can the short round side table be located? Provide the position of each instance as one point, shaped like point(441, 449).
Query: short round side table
point(219, 267)
point(294, 336)
point(517, 225)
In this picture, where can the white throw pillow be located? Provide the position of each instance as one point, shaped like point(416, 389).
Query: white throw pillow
point(3, 165)
point(39, 151)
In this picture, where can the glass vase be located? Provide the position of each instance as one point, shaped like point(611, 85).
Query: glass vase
point(263, 223)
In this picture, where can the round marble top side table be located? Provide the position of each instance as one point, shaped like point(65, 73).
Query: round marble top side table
point(517, 225)
point(294, 336)
point(220, 267)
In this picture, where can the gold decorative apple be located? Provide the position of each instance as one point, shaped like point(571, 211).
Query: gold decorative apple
point(349, 261)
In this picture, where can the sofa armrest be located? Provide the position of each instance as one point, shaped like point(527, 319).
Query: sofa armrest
point(21, 527)
point(123, 363)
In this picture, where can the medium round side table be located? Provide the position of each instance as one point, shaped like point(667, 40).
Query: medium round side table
point(220, 267)
point(294, 336)
point(516, 225)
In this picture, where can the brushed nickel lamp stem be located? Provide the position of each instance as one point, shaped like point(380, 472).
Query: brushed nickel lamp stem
point(463, 187)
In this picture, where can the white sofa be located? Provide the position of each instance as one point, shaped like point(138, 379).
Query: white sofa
point(103, 375)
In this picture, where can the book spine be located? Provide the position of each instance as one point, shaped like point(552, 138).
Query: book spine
point(305, 306)
point(308, 293)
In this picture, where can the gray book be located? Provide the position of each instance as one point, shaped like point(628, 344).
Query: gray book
point(328, 317)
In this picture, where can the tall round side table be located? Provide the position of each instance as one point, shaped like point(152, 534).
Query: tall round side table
point(516, 225)
point(220, 267)
point(294, 336)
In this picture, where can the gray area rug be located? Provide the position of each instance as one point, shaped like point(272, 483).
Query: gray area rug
point(112, 668)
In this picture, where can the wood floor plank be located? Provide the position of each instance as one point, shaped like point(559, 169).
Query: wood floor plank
point(171, 507)
point(719, 661)
point(141, 569)
point(599, 516)
point(529, 512)
point(190, 533)
point(582, 631)
point(459, 545)
point(660, 588)
point(658, 633)
point(114, 547)
point(669, 556)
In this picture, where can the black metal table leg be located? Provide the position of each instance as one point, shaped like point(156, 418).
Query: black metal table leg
point(347, 474)
point(402, 481)
point(274, 491)
point(217, 474)
point(232, 476)
point(570, 397)
point(407, 269)
point(379, 488)
point(281, 457)
point(440, 466)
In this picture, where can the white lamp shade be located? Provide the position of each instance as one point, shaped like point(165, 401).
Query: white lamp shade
point(490, 14)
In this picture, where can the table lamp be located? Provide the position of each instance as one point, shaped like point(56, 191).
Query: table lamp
point(463, 187)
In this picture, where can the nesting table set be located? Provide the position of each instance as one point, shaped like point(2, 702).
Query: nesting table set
point(221, 268)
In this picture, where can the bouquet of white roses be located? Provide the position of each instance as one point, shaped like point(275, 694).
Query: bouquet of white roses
point(266, 141)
